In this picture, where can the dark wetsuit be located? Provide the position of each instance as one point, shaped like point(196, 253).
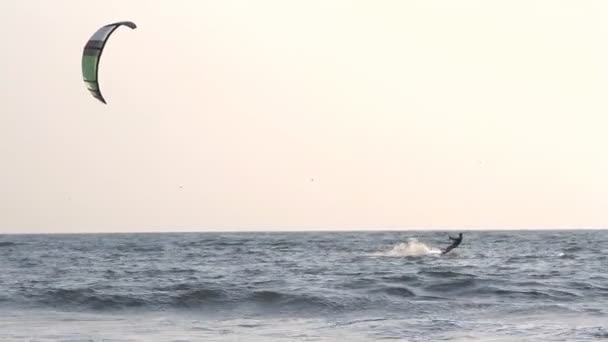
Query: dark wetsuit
point(454, 244)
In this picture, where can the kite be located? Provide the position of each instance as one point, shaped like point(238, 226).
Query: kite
point(92, 54)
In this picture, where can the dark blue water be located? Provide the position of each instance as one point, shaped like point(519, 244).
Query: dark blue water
point(363, 286)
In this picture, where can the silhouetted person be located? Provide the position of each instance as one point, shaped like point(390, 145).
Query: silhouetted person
point(454, 244)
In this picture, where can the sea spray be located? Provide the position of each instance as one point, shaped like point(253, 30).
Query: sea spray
point(411, 248)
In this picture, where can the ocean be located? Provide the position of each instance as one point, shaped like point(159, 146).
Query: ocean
point(309, 286)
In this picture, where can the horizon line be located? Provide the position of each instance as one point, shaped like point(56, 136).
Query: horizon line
point(309, 230)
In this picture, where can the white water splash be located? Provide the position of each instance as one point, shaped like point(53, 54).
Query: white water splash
point(411, 248)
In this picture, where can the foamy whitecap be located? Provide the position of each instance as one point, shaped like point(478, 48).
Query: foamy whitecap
point(411, 248)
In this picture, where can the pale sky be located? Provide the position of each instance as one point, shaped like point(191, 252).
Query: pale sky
point(295, 115)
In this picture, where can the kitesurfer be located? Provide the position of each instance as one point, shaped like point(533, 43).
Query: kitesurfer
point(455, 243)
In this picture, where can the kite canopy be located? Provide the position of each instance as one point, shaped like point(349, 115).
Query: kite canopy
point(92, 54)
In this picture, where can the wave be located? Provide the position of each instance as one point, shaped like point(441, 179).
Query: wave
point(276, 299)
point(544, 308)
point(186, 297)
point(574, 249)
point(379, 292)
point(478, 288)
point(411, 248)
point(396, 291)
point(198, 298)
point(7, 244)
point(443, 274)
point(402, 278)
point(84, 298)
point(457, 286)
